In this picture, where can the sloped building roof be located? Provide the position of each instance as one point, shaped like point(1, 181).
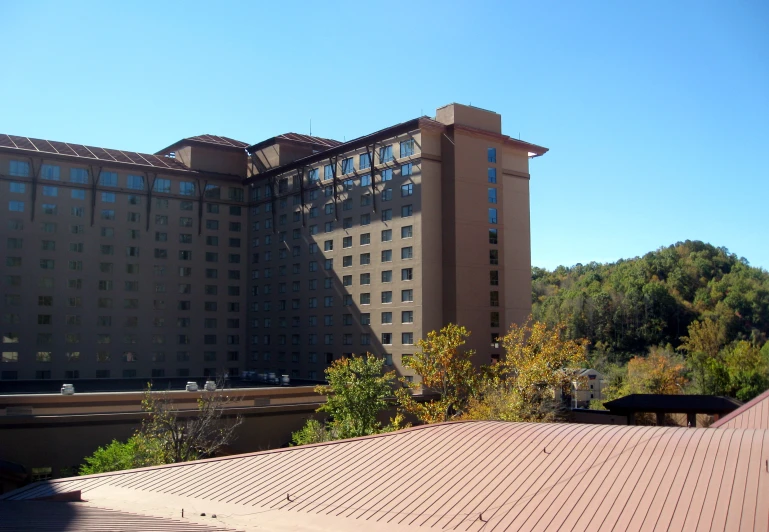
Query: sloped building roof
point(652, 402)
point(298, 137)
point(77, 517)
point(88, 153)
point(752, 415)
point(218, 140)
point(475, 476)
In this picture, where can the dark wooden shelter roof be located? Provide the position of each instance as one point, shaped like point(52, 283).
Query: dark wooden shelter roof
point(673, 404)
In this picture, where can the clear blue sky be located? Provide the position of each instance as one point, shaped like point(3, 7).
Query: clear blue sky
point(656, 113)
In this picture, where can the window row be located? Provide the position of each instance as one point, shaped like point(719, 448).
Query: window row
point(407, 316)
point(14, 300)
point(407, 338)
point(52, 172)
point(346, 184)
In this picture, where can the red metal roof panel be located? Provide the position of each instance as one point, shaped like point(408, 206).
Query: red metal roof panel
point(478, 476)
point(752, 415)
point(79, 517)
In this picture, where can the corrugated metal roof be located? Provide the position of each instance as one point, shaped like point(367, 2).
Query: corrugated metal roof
point(329, 143)
point(40, 146)
point(752, 415)
point(218, 140)
point(468, 476)
point(78, 517)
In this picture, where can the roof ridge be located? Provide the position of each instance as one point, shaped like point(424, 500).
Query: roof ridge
point(255, 453)
point(757, 400)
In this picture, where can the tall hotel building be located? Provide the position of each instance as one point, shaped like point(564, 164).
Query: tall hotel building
point(212, 256)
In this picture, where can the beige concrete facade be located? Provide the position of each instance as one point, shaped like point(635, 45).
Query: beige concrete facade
point(119, 271)
point(277, 257)
point(369, 246)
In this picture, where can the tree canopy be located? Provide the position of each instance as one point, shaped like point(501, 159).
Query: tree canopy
point(164, 437)
point(624, 308)
point(357, 393)
point(691, 297)
point(444, 369)
point(524, 386)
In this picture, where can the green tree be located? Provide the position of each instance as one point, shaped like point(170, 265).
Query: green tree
point(538, 362)
point(190, 437)
point(169, 436)
point(444, 369)
point(747, 370)
point(705, 358)
point(114, 456)
point(357, 393)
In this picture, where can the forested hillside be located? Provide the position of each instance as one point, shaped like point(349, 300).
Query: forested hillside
point(626, 308)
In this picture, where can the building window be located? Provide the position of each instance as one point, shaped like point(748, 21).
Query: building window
point(492, 175)
point(407, 274)
point(492, 216)
point(387, 255)
point(135, 182)
point(407, 253)
point(407, 296)
point(387, 215)
point(347, 165)
point(406, 211)
point(387, 338)
point(387, 318)
point(387, 194)
point(492, 155)
point(365, 278)
point(50, 172)
point(387, 296)
point(407, 316)
point(493, 236)
point(19, 168)
point(407, 169)
point(54, 191)
point(365, 258)
point(386, 154)
point(78, 175)
point(493, 256)
point(407, 148)
point(492, 195)
point(407, 189)
point(494, 299)
point(365, 298)
point(387, 174)
point(162, 185)
point(235, 194)
point(108, 179)
point(407, 338)
point(495, 319)
point(387, 276)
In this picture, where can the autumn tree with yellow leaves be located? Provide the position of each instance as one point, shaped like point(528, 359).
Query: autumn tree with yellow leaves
point(446, 370)
point(523, 387)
